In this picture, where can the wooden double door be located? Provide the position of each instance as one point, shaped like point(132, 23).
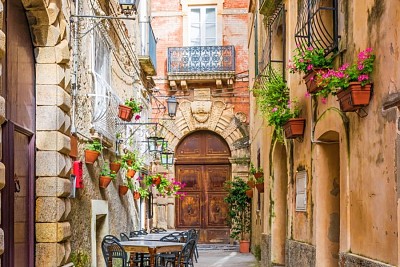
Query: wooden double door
point(203, 165)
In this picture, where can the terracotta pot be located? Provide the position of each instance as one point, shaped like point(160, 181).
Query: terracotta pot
point(130, 173)
point(294, 128)
point(260, 187)
point(136, 195)
point(249, 193)
point(122, 189)
point(309, 79)
point(104, 181)
point(244, 246)
point(114, 167)
point(91, 156)
point(258, 175)
point(251, 184)
point(125, 113)
point(129, 162)
point(157, 181)
point(354, 97)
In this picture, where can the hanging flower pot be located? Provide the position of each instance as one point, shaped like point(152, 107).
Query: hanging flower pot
point(156, 180)
point(114, 167)
point(294, 128)
point(258, 175)
point(249, 193)
point(104, 181)
point(91, 156)
point(251, 183)
point(130, 173)
point(136, 195)
point(125, 113)
point(260, 187)
point(129, 162)
point(123, 189)
point(354, 97)
point(310, 80)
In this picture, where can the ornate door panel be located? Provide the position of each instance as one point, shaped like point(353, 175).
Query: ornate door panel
point(202, 163)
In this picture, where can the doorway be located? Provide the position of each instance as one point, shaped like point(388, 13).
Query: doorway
point(327, 203)
point(202, 163)
point(17, 198)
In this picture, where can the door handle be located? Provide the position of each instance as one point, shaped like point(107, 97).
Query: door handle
point(17, 185)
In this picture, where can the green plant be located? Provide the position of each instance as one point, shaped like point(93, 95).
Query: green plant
point(94, 145)
point(164, 186)
point(257, 252)
point(80, 258)
point(274, 101)
point(129, 184)
point(144, 193)
point(260, 180)
point(341, 78)
point(306, 59)
point(252, 169)
point(238, 208)
point(105, 171)
point(133, 104)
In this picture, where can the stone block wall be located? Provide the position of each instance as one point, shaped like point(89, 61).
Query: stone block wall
point(351, 260)
point(299, 254)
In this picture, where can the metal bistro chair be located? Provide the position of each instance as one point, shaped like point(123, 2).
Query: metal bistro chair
point(124, 237)
point(116, 254)
point(185, 258)
point(156, 230)
point(105, 243)
point(194, 234)
point(165, 257)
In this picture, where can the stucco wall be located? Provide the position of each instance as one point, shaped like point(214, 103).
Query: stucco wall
point(368, 198)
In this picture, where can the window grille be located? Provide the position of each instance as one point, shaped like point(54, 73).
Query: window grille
point(273, 53)
point(301, 191)
point(317, 25)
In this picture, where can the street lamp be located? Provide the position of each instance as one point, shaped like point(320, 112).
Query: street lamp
point(128, 6)
point(156, 144)
point(172, 105)
point(167, 158)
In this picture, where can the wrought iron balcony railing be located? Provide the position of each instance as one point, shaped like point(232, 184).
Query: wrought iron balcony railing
point(148, 45)
point(201, 59)
point(267, 7)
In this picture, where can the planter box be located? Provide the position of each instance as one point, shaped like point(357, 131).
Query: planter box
point(354, 97)
point(294, 128)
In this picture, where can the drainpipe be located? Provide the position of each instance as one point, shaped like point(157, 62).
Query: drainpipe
point(74, 78)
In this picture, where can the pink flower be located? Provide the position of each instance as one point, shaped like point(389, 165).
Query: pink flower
point(137, 117)
point(344, 66)
point(323, 100)
point(274, 109)
point(360, 67)
point(363, 77)
point(310, 48)
point(310, 67)
point(307, 94)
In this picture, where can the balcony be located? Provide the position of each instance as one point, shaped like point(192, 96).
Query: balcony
point(147, 56)
point(201, 64)
point(267, 7)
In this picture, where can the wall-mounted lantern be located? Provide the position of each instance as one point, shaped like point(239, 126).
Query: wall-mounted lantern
point(128, 6)
point(167, 158)
point(172, 105)
point(156, 144)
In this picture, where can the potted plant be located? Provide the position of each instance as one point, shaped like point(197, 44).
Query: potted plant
point(260, 183)
point(251, 182)
point(129, 157)
point(274, 102)
point(115, 166)
point(123, 189)
point(165, 187)
point(238, 211)
point(249, 193)
point(130, 107)
point(352, 82)
point(310, 61)
point(92, 151)
point(106, 176)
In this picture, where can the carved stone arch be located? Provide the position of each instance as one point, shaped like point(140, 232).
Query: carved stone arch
point(50, 37)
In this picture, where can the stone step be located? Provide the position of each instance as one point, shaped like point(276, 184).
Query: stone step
point(224, 247)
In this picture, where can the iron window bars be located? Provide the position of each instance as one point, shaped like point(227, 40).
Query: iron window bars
point(272, 55)
point(317, 25)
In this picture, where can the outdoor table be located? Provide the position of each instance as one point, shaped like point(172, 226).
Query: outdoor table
point(149, 237)
point(151, 247)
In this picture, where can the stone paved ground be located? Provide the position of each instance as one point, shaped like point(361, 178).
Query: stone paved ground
point(224, 256)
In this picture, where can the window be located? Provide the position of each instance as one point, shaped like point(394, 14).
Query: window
point(301, 191)
point(203, 26)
